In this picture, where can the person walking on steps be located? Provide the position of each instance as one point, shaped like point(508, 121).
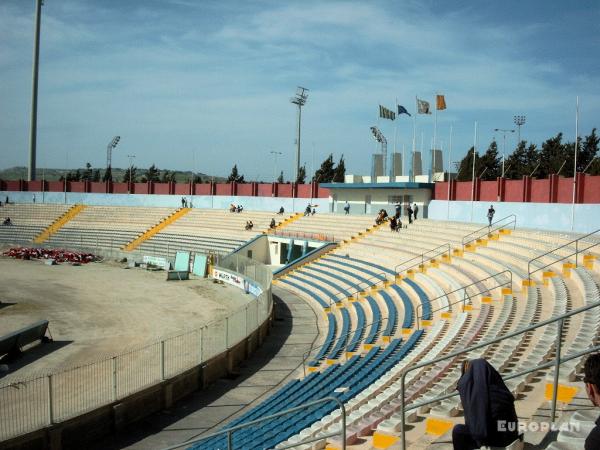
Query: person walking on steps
point(409, 210)
point(415, 210)
point(490, 214)
point(347, 208)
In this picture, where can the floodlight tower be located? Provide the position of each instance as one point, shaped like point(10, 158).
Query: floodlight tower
point(34, 91)
point(111, 145)
point(379, 137)
point(300, 100)
point(519, 120)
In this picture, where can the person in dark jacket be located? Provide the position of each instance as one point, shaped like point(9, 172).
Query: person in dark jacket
point(591, 379)
point(489, 407)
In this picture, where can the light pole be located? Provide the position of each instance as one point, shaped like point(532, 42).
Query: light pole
point(300, 100)
point(519, 120)
point(503, 131)
point(34, 90)
point(130, 170)
point(109, 148)
point(275, 154)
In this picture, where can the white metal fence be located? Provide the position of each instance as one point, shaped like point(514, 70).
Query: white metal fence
point(30, 404)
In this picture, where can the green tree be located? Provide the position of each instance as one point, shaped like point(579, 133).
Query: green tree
point(88, 173)
point(197, 179)
point(152, 174)
point(552, 156)
point(326, 172)
point(235, 176)
point(301, 178)
point(132, 170)
point(522, 161)
point(340, 171)
point(490, 163)
point(96, 176)
point(280, 178)
point(465, 169)
point(167, 177)
point(107, 174)
point(588, 151)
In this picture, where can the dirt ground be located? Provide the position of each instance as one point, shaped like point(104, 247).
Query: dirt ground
point(101, 309)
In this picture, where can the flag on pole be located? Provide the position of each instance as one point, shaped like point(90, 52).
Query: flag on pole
point(402, 110)
point(441, 102)
point(385, 113)
point(423, 107)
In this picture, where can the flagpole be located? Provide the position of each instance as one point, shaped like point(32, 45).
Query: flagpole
point(449, 177)
point(473, 175)
point(395, 136)
point(414, 147)
point(434, 139)
point(403, 161)
point(575, 163)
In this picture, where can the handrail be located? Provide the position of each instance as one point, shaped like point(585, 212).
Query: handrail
point(489, 229)
point(560, 318)
point(347, 335)
point(302, 235)
point(230, 431)
point(464, 288)
point(355, 289)
point(422, 256)
point(576, 253)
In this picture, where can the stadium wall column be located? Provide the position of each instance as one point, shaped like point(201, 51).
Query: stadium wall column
point(545, 216)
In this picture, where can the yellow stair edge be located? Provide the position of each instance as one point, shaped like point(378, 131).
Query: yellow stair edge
point(58, 223)
point(436, 426)
point(384, 440)
point(156, 228)
point(565, 393)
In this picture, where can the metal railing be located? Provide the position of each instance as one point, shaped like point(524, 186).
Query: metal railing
point(355, 290)
point(29, 404)
point(306, 354)
point(576, 253)
point(229, 431)
point(303, 235)
point(465, 294)
point(422, 258)
point(556, 363)
point(498, 225)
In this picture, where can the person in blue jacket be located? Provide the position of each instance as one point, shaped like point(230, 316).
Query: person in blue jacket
point(489, 408)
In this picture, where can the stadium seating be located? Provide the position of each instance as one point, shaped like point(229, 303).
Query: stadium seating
point(369, 298)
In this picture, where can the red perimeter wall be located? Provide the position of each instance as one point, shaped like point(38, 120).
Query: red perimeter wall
point(549, 190)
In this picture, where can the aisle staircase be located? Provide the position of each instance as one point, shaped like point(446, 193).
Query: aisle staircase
point(58, 223)
point(155, 229)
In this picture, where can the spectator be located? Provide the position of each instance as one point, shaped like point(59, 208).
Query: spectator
point(182, 202)
point(240, 208)
point(398, 210)
point(307, 210)
point(398, 221)
point(272, 224)
point(393, 223)
point(314, 211)
point(490, 214)
point(347, 208)
point(6, 202)
point(281, 210)
point(232, 208)
point(33, 198)
point(591, 378)
point(489, 408)
point(7, 221)
point(415, 210)
point(409, 211)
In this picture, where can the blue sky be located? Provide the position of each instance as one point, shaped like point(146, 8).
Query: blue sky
point(209, 82)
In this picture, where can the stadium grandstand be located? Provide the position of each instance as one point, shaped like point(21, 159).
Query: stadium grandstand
point(397, 313)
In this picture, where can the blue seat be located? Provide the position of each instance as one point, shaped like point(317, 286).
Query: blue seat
point(370, 275)
point(327, 294)
point(379, 267)
point(338, 288)
point(342, 340)
point(307, 291)
point(333, 267)
point(392, 323)
point(422, 296)
point(374, 330)
point(408, 306)
point(328, 340)
point(360, 328)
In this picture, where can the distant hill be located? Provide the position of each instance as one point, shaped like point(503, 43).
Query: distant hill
point(16, 173)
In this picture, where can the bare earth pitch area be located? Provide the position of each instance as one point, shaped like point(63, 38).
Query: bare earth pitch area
point(101, 309)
